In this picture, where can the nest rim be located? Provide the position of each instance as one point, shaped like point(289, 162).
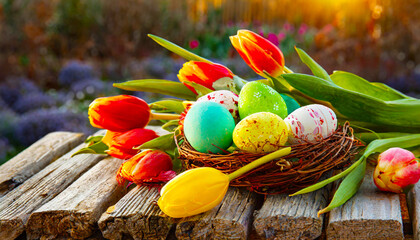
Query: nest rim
point(304, 166)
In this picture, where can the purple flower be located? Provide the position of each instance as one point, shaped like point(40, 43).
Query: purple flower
point(14, 88)
point(281, 36)
point(273, 39)
point(288, 27)
point(194, 44)
point(32, 101)
point(36, 124)
point(303, 29)
point(73, 72)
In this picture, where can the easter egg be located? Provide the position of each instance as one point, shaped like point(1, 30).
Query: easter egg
point(227, 98)
point(258, 97)
point(260, 132)
point(311, 123)
point(291, 103)
point(208, 127)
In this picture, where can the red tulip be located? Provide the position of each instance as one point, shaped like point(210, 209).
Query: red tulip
point(121, 144)
point(210, 75)
point(119, 113)
point(397, 168)
point(149, 166)
point(259, 53)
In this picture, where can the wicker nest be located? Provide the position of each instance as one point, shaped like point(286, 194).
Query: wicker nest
point(302, 167)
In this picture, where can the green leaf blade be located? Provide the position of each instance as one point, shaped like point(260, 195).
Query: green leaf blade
point(316, 69)
point(168, 105)
point(347, 189)
point(355, 83)
point(165, 142)
point(161, 86)
point(177, 49)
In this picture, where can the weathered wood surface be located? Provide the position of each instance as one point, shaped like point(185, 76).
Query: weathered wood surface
point(413, 201)
point(370, 214)
point(75, 211)
point(18, 204)
point(35, 158)
point(232, 219)
point(284, 217)
point(136, 216)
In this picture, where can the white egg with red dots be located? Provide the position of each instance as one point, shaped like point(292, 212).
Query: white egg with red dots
point(227, 98)
point(311, 123)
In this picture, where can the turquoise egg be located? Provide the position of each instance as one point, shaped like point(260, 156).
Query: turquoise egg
point(291, 103)
point(207, 125)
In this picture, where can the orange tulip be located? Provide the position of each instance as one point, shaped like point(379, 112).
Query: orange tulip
point(151, 166)
point(119, 113)
point(259, 53)
point(210, 75)
point(121, 144)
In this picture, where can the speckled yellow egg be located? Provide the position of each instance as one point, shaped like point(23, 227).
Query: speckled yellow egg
point(260, 132)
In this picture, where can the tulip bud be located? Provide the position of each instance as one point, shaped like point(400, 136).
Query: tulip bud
point(210, 75)
point(119, 113)
point(259, 53)
point(149, 166)
point(397, 168)
point(193, 191)
point(121, 144)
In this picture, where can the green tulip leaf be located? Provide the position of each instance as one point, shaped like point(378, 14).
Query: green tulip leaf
point(94, 139)
point(161, 86)
point(316, 69)
point(97, 148)
point(201, 90)
point(355, 83)
point(165, 142)
point(390, 89)
point(167, 105)
point(348, 187)
point(177, 49)
point(171, 126)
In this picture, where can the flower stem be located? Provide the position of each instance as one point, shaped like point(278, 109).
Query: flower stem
point(260, 161)
point(287, 70)
point(164, 116)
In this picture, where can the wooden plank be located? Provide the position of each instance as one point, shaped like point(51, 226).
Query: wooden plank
point(35, 158)
point(75, 211)
point(18, 204)
point(370, 214)
point(136, 216)
point(413, 201)
point(232, 219)
point(284, 217)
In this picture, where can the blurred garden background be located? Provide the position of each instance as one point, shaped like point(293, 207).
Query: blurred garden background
point(56, 56)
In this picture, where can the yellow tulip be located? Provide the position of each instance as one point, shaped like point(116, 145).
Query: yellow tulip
point(201, 189)
point(192, 192)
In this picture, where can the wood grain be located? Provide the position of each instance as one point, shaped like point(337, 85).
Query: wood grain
point(136, 216)
point(370, 214)
point(18, 204)
point(413, 201)
point(35, 158)
point(232, 219)
point(284, 217)
point(75, 211)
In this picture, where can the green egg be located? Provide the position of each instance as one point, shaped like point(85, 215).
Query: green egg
point(258, 97)
point(208, 127)
point(291, 103)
